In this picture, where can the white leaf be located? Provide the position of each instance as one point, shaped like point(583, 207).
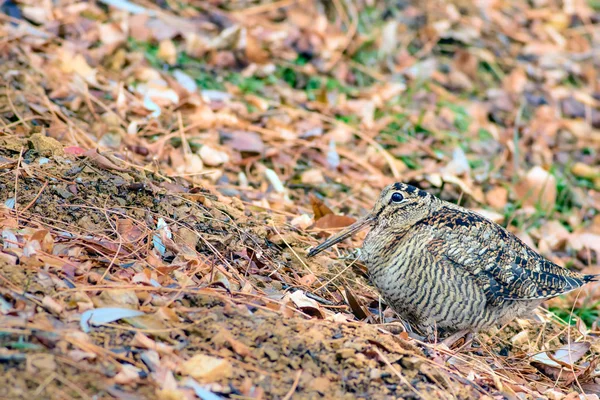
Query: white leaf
point(572, 352)
point(10, 203)
point(10, 239)
point(188, 83)
point(202, 393)
point(129, 7)
point(101, 316)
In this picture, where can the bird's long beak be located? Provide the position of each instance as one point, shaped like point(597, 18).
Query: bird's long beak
point(343, 234)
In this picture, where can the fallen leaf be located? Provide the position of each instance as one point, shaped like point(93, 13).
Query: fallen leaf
point(570, 353)
point(357, 309)
point(186, 81)
point(206, 368)
point(244, 142)
point(101, 316)
point(319, 208)
point(237, 346)
point(554, 234)
point(127, 375)
point(537, 188)
point(306, 304)
point(579, 241)
point(497, 197)
point(103, 162)
point(167, 52)
point(312, 177)
point(302, 221)
point(561, 365)
point(331, 221)
point(202, 393)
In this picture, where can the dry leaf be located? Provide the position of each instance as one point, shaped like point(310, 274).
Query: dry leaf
point(302, 221)
point(497, 197)
point(357, 309)
point(244, 142)
point(237, 346)
point(167, 52)
point(331, 221)
point(306, 304)
point(319, 208)
point(206, 368)
point(537, 188)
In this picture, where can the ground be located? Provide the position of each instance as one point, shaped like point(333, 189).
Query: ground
point(164, 168)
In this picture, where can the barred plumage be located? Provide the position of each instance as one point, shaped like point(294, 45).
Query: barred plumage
point(442, 266)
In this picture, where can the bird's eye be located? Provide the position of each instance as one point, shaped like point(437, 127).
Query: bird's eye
point(397, 197)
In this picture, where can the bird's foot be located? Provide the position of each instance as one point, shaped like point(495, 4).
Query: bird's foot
point(354, 254)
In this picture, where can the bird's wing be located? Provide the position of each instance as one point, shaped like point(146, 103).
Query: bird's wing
point(502, 265)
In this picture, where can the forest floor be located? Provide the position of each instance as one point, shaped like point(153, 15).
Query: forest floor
point(165, 166)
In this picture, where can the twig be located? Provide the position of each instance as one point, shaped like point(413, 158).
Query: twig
point(13, 108)
point(17, 184)
point(264, 7)
point(35, 198)
point(289, 394)
point(516, 140)
point(396, 372)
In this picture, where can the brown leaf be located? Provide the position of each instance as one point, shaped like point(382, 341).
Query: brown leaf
point(319, 208)
point(497, 197)
point(357, 309)
point(167, 52)
point(331, 221)
point(237, 346)
point(129, 231)
point(254, 51)
point(554, 234)
point(537, 188)
point(45, 240)
point(244, 142)
point(101, 161)
point(591, 388)
point(308, 280)
point(515, 82)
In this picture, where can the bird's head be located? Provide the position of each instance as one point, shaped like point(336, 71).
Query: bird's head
point(399, 206)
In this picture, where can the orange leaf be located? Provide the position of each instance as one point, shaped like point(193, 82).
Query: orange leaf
point(331, 221)
point(319, 208)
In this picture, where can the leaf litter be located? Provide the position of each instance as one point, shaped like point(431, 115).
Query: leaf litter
point(165, 167)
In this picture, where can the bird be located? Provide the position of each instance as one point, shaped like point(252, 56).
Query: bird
point(446, 269)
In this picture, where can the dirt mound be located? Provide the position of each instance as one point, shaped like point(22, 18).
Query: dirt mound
point(87, 228)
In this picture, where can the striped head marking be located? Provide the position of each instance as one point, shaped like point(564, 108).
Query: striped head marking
point(399, 206)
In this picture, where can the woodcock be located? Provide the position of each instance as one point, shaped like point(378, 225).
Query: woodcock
point(442, 266)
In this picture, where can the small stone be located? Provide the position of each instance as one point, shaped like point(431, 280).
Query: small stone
point(213, 157)
point(312, 177)
point(320, 384)
point(375, 374)
point(45, 145)
point(271, 353)
point(346, 353)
